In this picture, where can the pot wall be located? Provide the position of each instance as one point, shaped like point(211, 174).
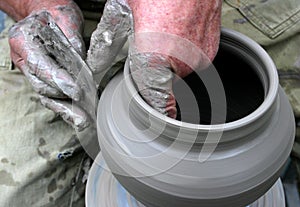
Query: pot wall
point(158, 160)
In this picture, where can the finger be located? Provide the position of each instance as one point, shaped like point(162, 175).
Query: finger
point(57, 44)
point(41, 87)
point(71, 114)
point(171, 109)
point(78, 44)
point(110, 36)
point(38, 85)
point(28, 48)
point(46, 69)
point(70, 20)
point(153, 76)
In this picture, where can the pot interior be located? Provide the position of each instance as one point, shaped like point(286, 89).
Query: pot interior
point(243, 87)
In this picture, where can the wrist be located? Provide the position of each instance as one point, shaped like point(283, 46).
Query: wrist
point(19, 9)
point(66, 13)
point(49, 5)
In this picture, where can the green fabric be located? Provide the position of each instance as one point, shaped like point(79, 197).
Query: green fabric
point(272, 17)
point(266, 21)
point(31, 138)
point(5, 61)
point(292, 89)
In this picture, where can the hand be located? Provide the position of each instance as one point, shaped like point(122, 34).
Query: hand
point(109, 37)
point(31, 52)
point(196, 22)
point(166, 33)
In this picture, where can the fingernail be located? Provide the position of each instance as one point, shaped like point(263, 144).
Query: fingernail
point(171, 107)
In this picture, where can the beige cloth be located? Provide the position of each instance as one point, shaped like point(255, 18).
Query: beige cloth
point(31, 138)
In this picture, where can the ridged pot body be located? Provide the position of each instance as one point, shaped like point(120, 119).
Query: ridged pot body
point(157, 159)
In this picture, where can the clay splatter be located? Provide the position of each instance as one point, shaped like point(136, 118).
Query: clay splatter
point(42, 142)
point(4, 160)
point(52, 186)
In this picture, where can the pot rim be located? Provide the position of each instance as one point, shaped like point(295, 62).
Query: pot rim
point(271, 92)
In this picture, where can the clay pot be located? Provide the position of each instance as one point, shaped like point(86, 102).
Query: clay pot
point(168, 163)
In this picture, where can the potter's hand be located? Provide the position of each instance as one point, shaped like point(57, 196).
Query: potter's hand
point(196, 21)
point(157, 26)
point(109, 37)
point(31, 52)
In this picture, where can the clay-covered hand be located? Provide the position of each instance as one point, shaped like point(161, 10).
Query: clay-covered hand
point(154, 27)
point(109, 37)
point(31, 51)
point(164, 32)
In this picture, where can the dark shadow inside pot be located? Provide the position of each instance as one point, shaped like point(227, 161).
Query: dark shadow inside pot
point(243, 87)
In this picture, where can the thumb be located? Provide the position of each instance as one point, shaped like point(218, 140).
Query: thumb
point(153, 77)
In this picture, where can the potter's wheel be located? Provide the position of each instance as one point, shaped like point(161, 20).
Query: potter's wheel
point(103, 190)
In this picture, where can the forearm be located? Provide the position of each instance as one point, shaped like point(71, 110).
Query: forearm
point(172, 15)
point(19, 9)
point(196, 21)
point(66, 14)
